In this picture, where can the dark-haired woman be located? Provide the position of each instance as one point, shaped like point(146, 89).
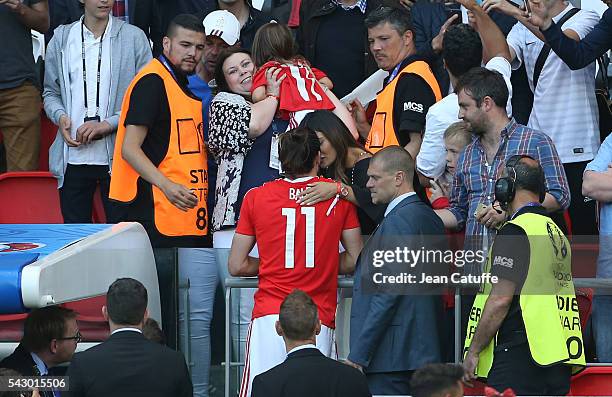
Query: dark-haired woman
point(240, 138)
point(239, 133)
point(345, 161)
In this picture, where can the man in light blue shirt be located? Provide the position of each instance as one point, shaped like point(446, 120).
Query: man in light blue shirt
point(597, 184)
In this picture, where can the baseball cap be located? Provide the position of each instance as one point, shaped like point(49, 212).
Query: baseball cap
point(223, 24)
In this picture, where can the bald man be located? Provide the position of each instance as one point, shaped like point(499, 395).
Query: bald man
point(393, 326)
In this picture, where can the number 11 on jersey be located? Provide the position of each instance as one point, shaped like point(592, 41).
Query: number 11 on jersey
point(290, 214)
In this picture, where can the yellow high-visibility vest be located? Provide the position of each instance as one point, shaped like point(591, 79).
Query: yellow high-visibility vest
point(548, 301)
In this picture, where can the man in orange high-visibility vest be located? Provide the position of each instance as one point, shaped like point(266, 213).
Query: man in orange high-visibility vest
point(160, 176)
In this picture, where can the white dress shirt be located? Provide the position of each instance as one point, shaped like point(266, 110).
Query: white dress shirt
point(94, 153)
point(126, 329)
point(302, 347)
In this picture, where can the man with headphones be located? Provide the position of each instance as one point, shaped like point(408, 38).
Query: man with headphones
point(524, 331)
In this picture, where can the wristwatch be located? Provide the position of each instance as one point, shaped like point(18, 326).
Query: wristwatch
point(343, 191)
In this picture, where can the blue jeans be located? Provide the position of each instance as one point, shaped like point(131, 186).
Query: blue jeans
point(602, 327)
point(242, 307)
point(602, 303)
point(198, 265)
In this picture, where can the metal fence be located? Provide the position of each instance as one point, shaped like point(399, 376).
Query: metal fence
point(347, 283)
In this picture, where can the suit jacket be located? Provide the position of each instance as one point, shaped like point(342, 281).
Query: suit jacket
point(21, 361)
point(129, 365)
point(309, 373)
point(392, 331)
point(311, 12)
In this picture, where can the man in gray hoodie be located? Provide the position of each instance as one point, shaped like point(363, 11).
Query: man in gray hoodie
point(90, 63)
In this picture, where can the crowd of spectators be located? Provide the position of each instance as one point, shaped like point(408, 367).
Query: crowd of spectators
point(164, 108)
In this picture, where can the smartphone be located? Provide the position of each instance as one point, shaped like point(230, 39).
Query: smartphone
point(453, 9)
point(480, 207)
point(527, 6)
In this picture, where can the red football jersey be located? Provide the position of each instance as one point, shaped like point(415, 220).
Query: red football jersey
point(298, 246)
point(299, 90)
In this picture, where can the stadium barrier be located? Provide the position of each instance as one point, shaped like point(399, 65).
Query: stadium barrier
point(596, 373)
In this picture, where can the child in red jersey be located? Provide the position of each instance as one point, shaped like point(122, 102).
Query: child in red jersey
point(305, 88)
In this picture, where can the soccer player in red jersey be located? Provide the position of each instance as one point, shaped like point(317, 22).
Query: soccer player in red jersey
point(298, 248)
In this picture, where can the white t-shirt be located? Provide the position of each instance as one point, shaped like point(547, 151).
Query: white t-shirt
point(431, 160)
point(564, 104)
point(94, 153)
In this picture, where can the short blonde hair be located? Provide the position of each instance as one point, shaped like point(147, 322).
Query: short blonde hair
point(459, 131)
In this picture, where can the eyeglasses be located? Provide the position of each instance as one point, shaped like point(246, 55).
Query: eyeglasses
point(77, 338)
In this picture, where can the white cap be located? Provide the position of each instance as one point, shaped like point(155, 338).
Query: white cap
point(223, 24)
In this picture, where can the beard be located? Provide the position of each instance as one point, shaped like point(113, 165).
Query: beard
point(478, 131)
point(478, 127)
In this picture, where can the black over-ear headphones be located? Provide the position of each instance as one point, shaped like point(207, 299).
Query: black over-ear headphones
point(505, 187)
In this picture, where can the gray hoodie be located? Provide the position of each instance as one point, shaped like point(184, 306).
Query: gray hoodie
point(130, 52)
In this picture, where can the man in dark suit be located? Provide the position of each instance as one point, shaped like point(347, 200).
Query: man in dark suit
point(50, 337)
point(394, 331)
point(306, 371)
point(127, 364)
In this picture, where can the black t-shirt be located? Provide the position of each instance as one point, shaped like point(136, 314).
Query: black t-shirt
point(413, 98)
point(510, 255)
point(16, 60)
point(149, 107)
point(340, 42)
point(369, 214)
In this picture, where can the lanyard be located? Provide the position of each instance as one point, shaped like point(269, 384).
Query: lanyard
point(85, 73)
point(394, 72)
point(163, 60)
point(530, 204)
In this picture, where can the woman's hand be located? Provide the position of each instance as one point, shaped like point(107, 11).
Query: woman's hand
point(317, 192)
point(273, 82)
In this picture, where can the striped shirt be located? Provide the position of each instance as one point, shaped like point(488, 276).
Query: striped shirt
point(475, 178)
point(361, 4)
point(564, 105)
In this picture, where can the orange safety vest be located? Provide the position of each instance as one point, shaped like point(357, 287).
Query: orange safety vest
point(382, 133)
point(184, 162)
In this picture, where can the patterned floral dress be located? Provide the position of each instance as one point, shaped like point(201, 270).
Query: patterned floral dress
point(228, 141)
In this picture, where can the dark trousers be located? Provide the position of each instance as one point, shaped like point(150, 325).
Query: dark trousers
point(77, 193)
point(582, 215)
point(166, 262)
point(390, 383)
point(513, 367)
